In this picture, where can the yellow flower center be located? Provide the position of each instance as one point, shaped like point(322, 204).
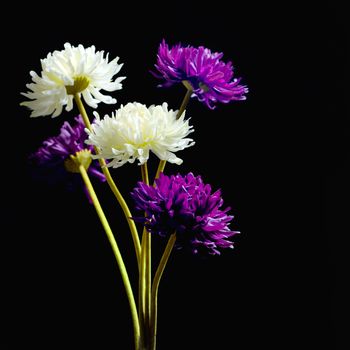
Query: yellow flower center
point(80, 84)
point(73, 163)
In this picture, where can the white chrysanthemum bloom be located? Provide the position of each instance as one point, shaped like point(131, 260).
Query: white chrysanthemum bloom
point(134, 130)
point(68, 72)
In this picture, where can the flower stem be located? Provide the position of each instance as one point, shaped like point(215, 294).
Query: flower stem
point(155, 286)
point(112, 185)
point(185, 100)
point(144, 173)
point(82, 111)
point(183, 106)
point(116, 252)
point(146, 269)
point(142, 294)
point(161, 167)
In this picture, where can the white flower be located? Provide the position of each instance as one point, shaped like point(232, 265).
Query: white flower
point(134, 130)
point(70, 71)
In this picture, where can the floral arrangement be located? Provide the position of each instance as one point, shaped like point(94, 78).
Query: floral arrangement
point(182, 209)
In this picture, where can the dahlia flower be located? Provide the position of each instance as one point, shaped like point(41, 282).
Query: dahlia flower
point(74, 70)
point(54, 156)
point(134, 130)
point(187, 206)
point(210, 78)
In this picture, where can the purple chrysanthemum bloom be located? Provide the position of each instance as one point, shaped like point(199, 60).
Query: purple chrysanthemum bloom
point(210, 78)
point(51, 158)
point(185, 205)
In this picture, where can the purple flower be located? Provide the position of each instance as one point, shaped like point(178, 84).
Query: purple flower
point(211, 79)
point(186, 205)
point(50, 158)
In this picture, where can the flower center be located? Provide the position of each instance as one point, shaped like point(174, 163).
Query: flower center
point(73, 163)
point(80, 84)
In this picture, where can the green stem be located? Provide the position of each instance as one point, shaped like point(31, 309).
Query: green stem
point(183, 106)
point(82, 111)
point(161, 167)
point(112, 185)
point(146, 245)
point(185, 100)
point(155, 286)
point(144, 173)
point(142, 294)
point(116, 252)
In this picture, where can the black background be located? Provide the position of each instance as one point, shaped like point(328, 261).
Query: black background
point(281, 159)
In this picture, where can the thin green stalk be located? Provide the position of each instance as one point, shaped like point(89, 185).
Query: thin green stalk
point(116, 252)
point(155, 286)
point(183, 106)
point(142, 293)
point(112, 185)
point(146, 244)
point(82, 111)
point(185, 100)
point(160, 168)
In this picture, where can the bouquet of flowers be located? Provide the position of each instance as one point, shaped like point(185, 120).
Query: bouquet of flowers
point(182, 209)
